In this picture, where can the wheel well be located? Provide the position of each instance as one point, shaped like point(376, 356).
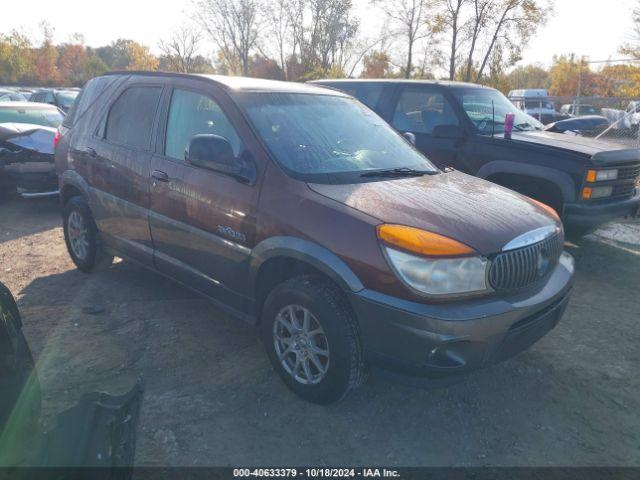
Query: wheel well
point(69, 191)
point(277, 270)
point(539, 189)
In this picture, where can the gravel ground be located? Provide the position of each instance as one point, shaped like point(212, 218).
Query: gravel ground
point(212, 399)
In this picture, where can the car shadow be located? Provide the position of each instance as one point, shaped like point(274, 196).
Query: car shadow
point(22, 217)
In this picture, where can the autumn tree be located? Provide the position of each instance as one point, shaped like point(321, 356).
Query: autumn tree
point(376, 64)
point(564, 74)
point(16, 59)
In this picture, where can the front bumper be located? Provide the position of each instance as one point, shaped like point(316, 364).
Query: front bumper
point(441, 341)
point(590, 216)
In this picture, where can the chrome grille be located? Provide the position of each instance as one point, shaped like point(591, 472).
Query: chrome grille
point(525, 266)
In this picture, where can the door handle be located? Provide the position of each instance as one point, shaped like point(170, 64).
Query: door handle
point(160, 176)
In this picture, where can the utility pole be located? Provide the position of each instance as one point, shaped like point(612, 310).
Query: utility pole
point(576, 105)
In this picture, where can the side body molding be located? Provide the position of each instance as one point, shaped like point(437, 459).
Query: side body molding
point(315, 255)
point(561, 179)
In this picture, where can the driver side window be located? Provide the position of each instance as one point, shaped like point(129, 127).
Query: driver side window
point(192, 113)
point(420, 110)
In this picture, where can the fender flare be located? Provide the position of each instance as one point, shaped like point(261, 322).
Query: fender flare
point(561, 179)
point(309, 252)
point(70, 178)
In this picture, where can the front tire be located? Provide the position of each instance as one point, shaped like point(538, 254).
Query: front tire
point(82, 237)
point(311, 336)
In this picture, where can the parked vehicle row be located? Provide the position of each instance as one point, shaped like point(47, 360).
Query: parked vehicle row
point(301, 211)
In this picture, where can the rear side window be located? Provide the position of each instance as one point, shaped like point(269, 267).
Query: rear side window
point(420, 110)
point(130, 118)
point(191, 114)
point(88, 96)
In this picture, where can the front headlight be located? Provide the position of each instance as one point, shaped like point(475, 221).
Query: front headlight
point(593, 193)
point(601, 175)
point(434, 276)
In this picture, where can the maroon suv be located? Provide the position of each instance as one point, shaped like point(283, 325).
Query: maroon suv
point(299, 210)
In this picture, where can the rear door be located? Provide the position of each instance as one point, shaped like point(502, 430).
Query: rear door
point(202, 221)
point(118, 159)
point(418, 110)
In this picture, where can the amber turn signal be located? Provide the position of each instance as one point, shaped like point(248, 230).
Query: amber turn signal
point(591, 176)
point(547, 209)
point(422, 242)
point(586, 193)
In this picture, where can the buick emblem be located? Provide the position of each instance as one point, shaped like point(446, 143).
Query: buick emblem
point(542, 262)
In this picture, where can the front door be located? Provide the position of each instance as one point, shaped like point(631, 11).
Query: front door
point(202, 221)
point(418, 110)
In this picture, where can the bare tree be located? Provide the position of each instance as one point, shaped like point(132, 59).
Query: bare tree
point(514, 21)
point(234, 27)
point(632, 47)
point(280, 16)
point(411, 19)
point(481, 9)
point(181, 50)
point(452, 20)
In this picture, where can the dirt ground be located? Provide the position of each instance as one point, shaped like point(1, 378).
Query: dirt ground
point(212, 398)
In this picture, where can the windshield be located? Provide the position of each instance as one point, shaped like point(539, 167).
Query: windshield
point(65, 99)
point(488, 108)
point(48, 117)
point(328, 138)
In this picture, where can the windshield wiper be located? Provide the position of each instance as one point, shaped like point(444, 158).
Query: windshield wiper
point(399, 172)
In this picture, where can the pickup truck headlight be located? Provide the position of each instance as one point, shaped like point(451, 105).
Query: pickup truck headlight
point(432, 263)
point(602, 175)
point(445, 276)
point(592, 193)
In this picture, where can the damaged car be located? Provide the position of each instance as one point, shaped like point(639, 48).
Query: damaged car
point(27, 135)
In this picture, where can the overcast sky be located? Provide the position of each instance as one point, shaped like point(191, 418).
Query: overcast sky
point(586, 27)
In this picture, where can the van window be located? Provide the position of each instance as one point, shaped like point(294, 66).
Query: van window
point(420, 110)
point(130, 119)
point(191, 114)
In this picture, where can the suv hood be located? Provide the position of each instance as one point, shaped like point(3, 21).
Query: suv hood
point(601, 152)
point(478, 213)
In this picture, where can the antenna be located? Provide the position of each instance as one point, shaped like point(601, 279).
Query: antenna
point(493, 118)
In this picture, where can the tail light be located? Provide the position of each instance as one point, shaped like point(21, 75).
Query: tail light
point(56, 138)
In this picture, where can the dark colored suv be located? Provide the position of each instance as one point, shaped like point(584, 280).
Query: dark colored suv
point(300, 210)
point(461, 125)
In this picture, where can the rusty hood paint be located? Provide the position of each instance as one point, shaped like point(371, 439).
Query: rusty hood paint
point(478, 213)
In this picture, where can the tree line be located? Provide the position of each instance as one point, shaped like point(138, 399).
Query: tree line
point(479, 41)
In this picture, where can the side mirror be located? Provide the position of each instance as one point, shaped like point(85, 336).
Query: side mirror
point(448, 131)
point(215, 153)
point(410, 137)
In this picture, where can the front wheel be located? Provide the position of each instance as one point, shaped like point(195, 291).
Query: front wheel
point(82, 237)
point(311, 337)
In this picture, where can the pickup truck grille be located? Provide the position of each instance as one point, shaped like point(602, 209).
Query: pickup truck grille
point(525, 266)
point(629, 173)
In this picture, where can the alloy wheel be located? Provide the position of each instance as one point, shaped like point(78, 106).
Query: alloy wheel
point(301, 344)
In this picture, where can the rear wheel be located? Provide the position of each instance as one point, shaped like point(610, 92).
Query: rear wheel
point(82, 237)
point(311, 337)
